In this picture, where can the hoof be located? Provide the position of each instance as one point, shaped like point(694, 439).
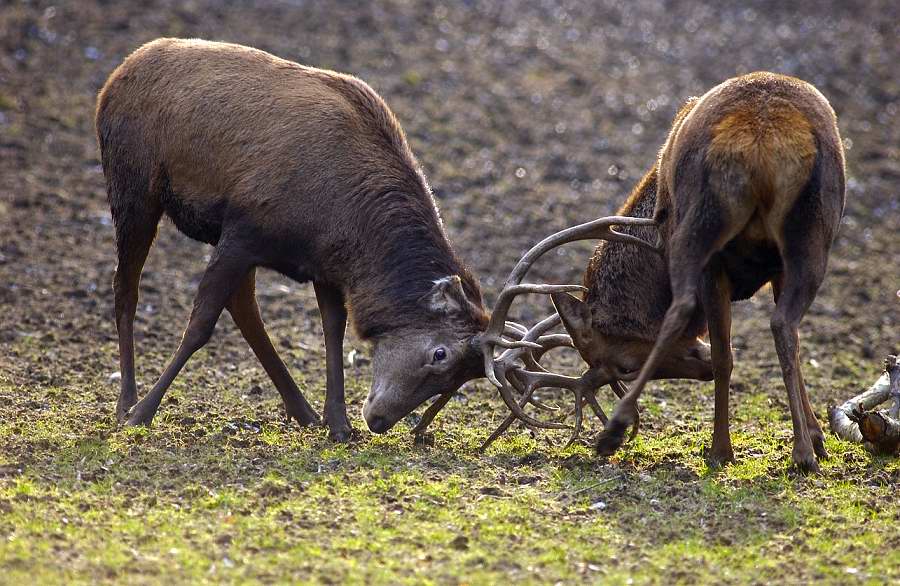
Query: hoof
point(339, 428)
point(819, 448)
point(136, 422)
point(719, 458)
point(306, 417)
point(806, 464)
point(139, 415)
point(127, 399)
point(611, 438)
point(341, 434)
point(123, 410)
point(425, 438)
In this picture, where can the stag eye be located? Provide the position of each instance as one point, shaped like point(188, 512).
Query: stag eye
point(440, 354)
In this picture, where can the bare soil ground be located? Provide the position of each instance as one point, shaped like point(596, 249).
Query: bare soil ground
point(527, 117)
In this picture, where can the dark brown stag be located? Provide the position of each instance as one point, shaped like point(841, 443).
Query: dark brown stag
point(305, 172)
point(748, 190)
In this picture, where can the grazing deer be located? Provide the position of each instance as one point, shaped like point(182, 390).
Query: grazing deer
point(748, 190)
point(308, 173)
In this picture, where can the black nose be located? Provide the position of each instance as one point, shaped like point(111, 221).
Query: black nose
point(378, 424)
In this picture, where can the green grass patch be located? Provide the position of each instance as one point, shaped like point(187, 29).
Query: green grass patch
point(225, 497)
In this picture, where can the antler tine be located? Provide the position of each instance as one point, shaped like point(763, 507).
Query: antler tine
point(600, 228)
point(508, 421)
point(579, 418)
point(430, 413)
point(514, 330)
point(582, 387)
point(531, 363)
point(546, 342)
point(529, 392)
point(518, 411)
point(516, 350)
point(520, 332)
point(595, 406)
point(492, 336)
point(504, 366)
point(527, 397)
point(551, 341)
point(589, 380)
point(532, 360)
point(597, 229)
point(532, 339)
point(501, 429)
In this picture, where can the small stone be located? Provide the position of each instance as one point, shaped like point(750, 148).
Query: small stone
point(460, 542)
point(598, 506)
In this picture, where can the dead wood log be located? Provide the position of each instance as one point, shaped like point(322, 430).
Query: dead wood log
point(857, 421)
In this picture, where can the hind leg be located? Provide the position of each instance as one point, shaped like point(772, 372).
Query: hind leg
point(226, 270)
point(816, 435)
point(800, 282)
point(716, 298)
point(805, 234)
point(135, 232)
point(245, 312)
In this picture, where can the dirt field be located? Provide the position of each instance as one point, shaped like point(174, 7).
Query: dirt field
point(527, 117)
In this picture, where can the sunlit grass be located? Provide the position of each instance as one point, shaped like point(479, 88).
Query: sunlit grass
point(211, 498)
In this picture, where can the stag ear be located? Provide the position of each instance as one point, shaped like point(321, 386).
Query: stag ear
point(576, 317)
point(447, 296)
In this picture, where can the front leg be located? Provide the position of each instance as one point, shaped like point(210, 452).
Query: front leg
point(334, 322)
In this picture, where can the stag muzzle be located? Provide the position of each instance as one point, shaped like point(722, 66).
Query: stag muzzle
point(377, 413)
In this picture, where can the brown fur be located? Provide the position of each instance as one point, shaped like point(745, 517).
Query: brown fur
point(616, 267)
point(773, 142)
point(748, 189)
point(285, 146)
point(297, 169)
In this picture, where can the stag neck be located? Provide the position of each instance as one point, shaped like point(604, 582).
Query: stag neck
point(403, 251)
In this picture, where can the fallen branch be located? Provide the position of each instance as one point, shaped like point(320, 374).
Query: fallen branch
point(856, 421)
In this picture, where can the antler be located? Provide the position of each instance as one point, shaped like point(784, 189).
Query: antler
point(530, 345)
point(505, 374)
point(513, 330)
point(597, 229)
point(506, 364)
point(527, 382)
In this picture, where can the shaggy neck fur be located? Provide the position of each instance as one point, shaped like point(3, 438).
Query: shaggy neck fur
point(628, 287)
point(406, 251)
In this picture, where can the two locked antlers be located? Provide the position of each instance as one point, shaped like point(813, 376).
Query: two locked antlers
point(517, 368)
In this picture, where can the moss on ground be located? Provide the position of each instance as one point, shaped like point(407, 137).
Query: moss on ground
point(217, 496)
